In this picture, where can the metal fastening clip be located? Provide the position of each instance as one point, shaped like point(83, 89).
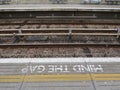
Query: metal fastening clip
point(20, 31)
point(14, 34)
point(118, 31)
point(70, 34)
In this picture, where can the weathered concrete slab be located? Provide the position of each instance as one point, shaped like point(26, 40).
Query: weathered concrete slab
point(86, 85)
point(60, 73)
point(109, 79)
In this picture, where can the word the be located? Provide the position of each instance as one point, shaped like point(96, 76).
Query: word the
point(62, 68)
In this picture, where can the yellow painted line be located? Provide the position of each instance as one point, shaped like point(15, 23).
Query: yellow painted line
point(59, 77)
point(106, 76)
point(42, 78)
point(12, 78)
point(69, 77)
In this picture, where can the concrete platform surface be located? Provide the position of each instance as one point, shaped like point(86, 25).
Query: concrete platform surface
point(60, 74)
point(61, 7)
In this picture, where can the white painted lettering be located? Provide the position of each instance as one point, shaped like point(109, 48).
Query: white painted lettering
point(62, 68)
point(51, 68)
point(66, 69)
point(98, 68)
point(25, 70)
point(40, 69)
point(58, 68)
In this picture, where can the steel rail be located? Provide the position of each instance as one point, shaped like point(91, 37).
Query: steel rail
point(61, 29)
point(58, 30)
point(60, 34)
point(66, 17)
point(60, 45)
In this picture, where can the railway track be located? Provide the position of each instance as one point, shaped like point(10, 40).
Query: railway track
point(69, 32)
point(21, 34)
point(60, 32)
